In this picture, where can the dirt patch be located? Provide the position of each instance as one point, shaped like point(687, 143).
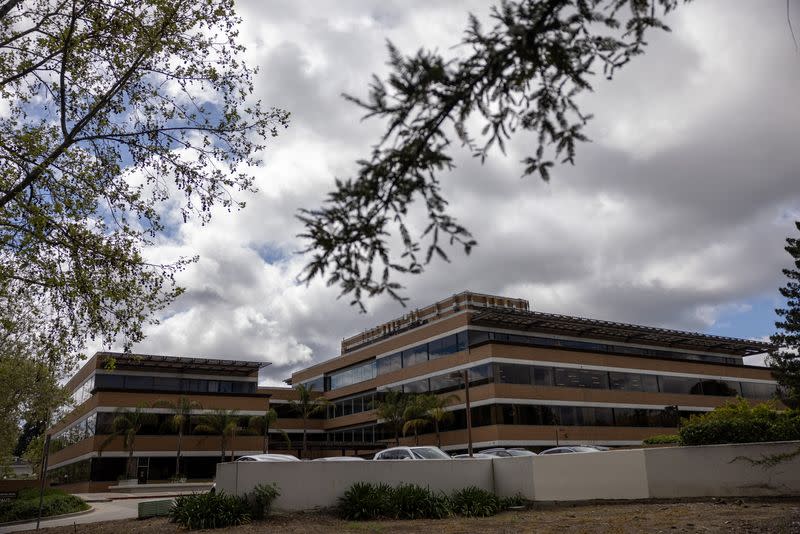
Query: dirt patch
point(737, 516)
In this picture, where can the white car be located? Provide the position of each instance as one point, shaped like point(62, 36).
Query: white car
point(505, 453)
point(567, 450)
point(411, 453)
point(475, 456)
point(267, 458)
point(339, 459)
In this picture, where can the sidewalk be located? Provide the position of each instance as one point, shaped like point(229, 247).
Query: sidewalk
point(105, 507)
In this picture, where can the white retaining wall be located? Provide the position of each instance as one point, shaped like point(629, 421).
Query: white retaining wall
point(716, 470)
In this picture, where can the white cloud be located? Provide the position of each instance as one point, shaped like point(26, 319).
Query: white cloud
point(675, 215)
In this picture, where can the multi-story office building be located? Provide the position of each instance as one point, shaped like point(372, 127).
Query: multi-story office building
point(82, 456)
point(536, 379)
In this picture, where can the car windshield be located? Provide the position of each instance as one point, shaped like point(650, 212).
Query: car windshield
point(429, 453)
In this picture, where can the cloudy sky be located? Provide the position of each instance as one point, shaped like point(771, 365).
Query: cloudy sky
point(675, 215)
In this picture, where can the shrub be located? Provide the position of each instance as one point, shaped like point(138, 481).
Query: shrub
point(209, 510)
point(475, 502)
point(363, 501)
point(410, 501)
point(662, 439)
point(26, 505)
point(512, 502)
point(738, 422)
point(261, 499)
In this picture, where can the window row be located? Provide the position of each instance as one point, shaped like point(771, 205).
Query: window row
point(543, 415)
point(84, 391)
point(351, 405)
point(74, 433)
point(479, 336)
point(583, 378)
point(172, 384)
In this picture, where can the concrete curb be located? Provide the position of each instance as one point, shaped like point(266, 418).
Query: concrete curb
point(48, 518)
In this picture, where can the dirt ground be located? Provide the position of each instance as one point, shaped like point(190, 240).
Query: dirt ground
point(774, 516)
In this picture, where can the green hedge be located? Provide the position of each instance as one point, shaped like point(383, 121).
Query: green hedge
point(364, 501)
point(739, 422)
point(26, 505)
point(662, 439)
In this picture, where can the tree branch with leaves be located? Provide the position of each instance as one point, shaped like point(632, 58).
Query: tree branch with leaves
point(524, 74)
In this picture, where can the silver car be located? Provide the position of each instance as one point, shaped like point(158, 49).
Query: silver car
point(268, 458)
point(411, 453)
point(567, 450)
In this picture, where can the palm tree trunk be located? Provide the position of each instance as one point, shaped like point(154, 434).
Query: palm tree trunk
point(304, 435)
point(222, 448)
point(438, 436)
point(266, 436)
point(131, 469)
point(396, 437)
point(178, 455)
point(233, 438)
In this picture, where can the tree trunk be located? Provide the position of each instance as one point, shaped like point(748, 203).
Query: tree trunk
point(438, 435)
point(178, 455)
point(266, 436)
point(222, 448)
point(396, 437)
point(233, 438)
point(416, 436)
point(131, 468)
point(304, 436)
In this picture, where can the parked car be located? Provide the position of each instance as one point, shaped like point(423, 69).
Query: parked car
point(339, 459)
point(476, 456)
point(566, 450)
point(599, 447)
point(497, 452)
point(268, 458)
point(504, 453)
point(411, 453)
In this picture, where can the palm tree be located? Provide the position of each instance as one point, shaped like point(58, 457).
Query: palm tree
point(223, 423)
point(438, 413)
point(416, 415)
point(307, 405)
point(262, 423)
point(181, 413)
point(392, 410)
point(127, 423)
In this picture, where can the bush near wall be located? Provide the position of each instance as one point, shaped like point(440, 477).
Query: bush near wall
point(26, 505)
point(365, 501)
point(218, 510)
point(739, 422)
point(662, 439)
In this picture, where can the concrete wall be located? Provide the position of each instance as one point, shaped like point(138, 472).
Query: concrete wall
point(306, 485)
point(718, 470)
point(578, 477)
point(721, 470)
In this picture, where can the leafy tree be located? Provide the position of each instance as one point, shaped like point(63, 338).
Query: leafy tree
point(114, 110)
point(127, 423)
point(181, 411)
point(785, 357)
point(307, 405)
point(223, 423)
point(391, 409)
point(30, 392)
point(524, 74)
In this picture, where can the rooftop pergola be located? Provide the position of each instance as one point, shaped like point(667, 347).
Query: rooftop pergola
point(580, 327)
point(181, 364)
